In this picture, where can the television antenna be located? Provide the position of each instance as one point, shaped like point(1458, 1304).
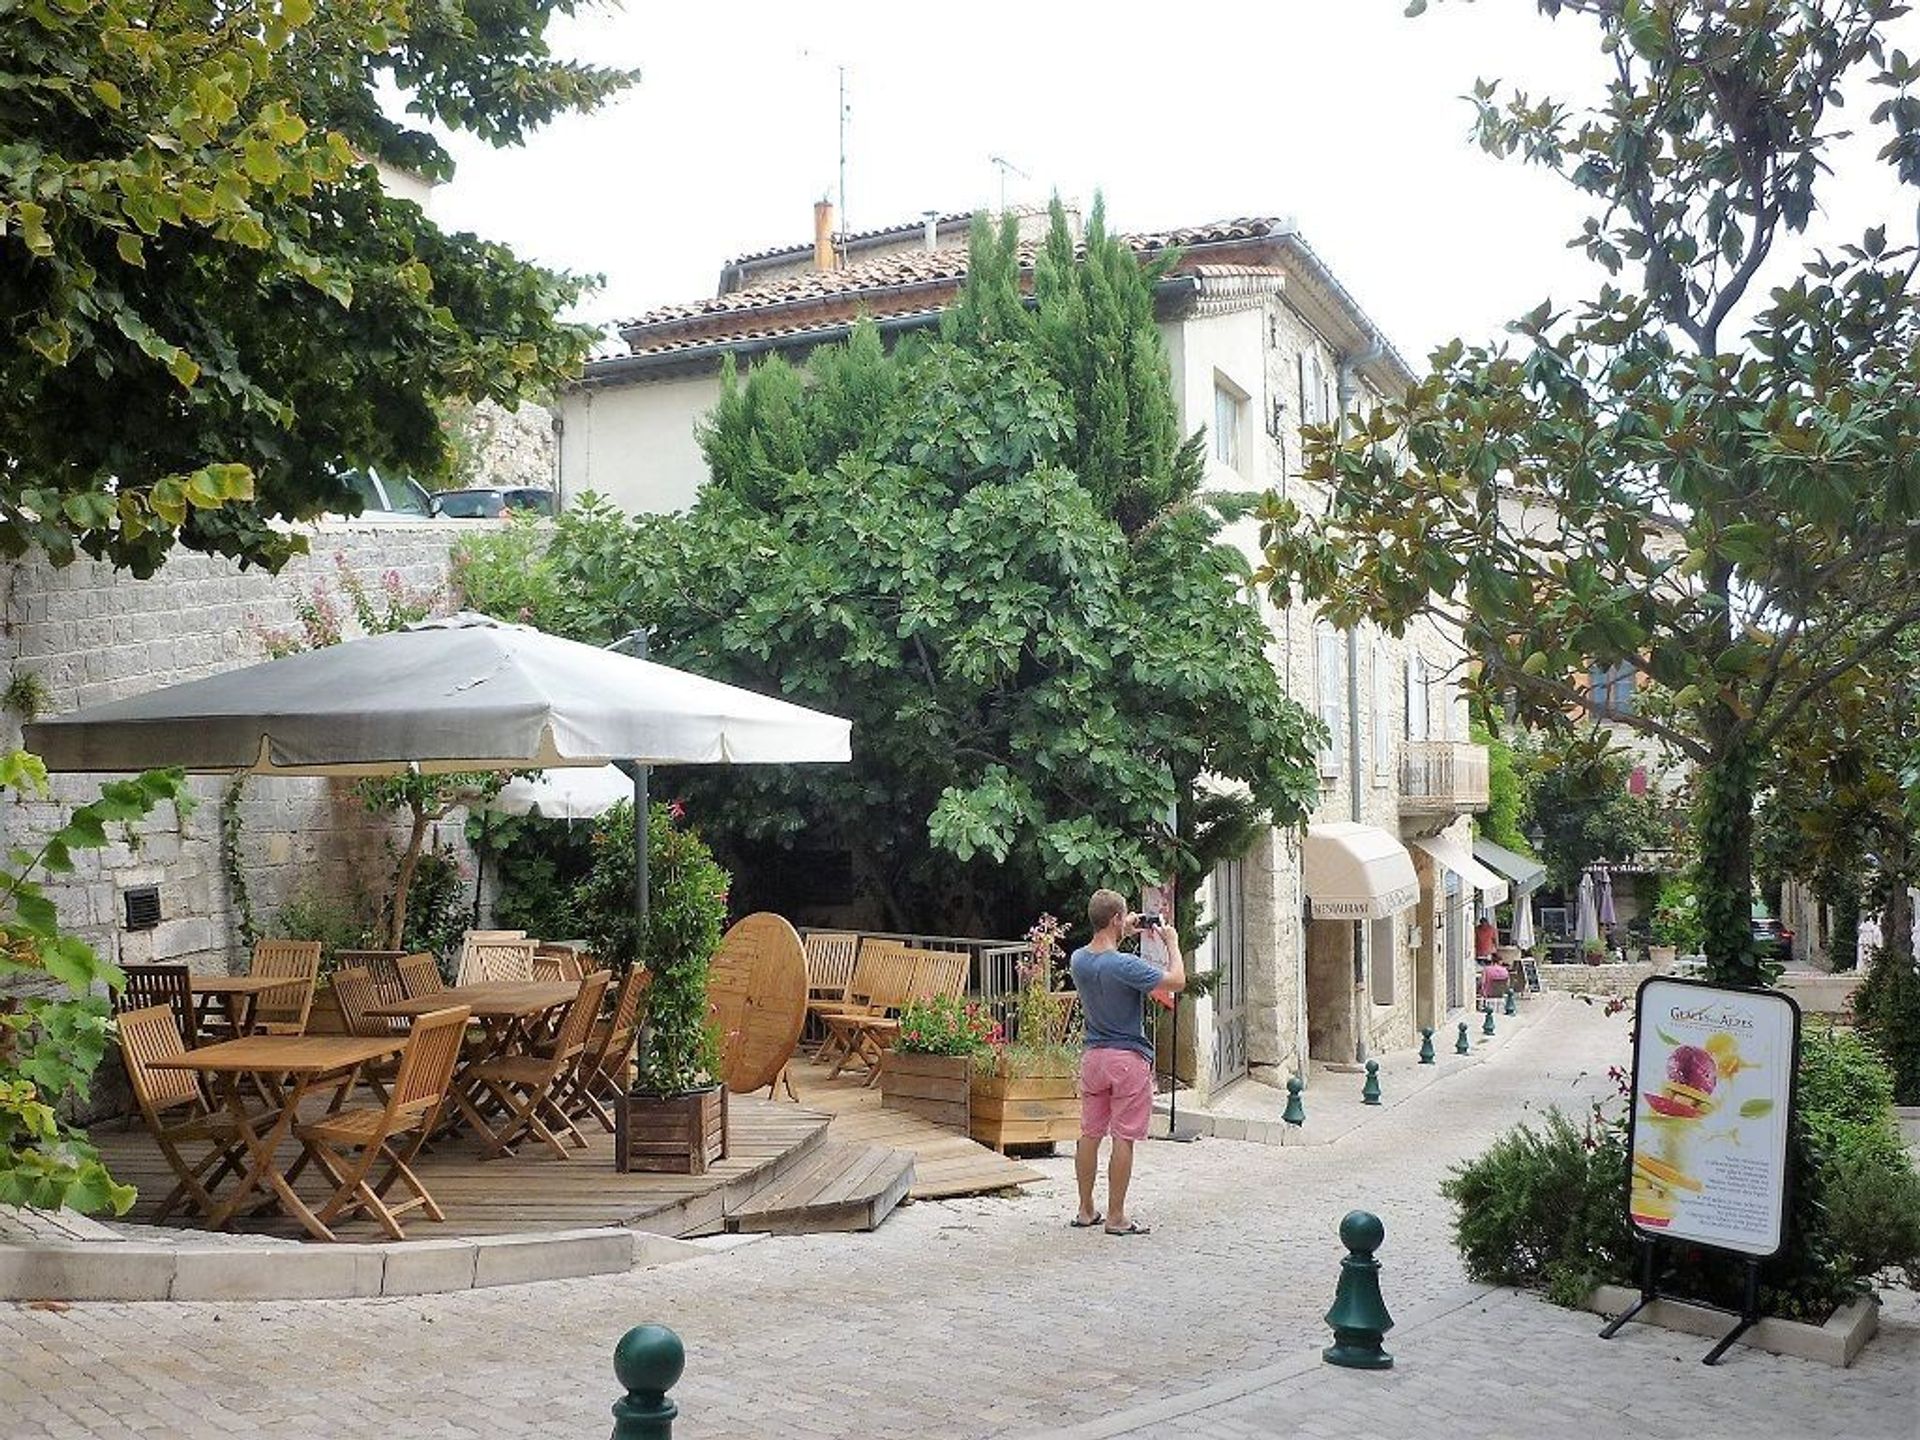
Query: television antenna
point(1004, 165)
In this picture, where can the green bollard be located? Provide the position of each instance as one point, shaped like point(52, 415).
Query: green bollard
point(648, 1361)
point(1295, 1113)
point(1463, 1046)
point(1359, 1316)
point(1370, 1092)
point(1486, 1030)
point(1512, 1007)
point(1426, 1045)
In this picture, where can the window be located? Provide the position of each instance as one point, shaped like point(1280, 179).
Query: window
point(1382, 713)
point(1228, 406)
point(1316, 394)
point(1332, 693)
point(1381, 959)
point(1417, 726)
point(1610, 690)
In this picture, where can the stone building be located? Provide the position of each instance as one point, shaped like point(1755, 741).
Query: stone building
point(1335, 940)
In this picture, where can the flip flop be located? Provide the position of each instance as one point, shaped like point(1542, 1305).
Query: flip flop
point(1078, 1224)
point(1136, 1228)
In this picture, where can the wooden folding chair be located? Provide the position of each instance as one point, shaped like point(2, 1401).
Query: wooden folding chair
point(169, 985)
point(873, 964)
point(601, 1076)
point(495, 961)
point(524, 1090)
point(557, 963)
point(175, 1107)
point(283, 1010)
point(419, 975)
point(349, 1143)
point(356, 993)
point(934, 973)
point(384, 966)
point(849, 1034)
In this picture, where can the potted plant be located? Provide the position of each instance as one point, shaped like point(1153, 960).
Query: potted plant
point(1676, 928)
point(674, 1120)
point(929, 1070)
point(1593, 951)
point(1025, 1091)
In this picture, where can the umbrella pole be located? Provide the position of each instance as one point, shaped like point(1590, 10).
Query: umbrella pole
point(641, 898)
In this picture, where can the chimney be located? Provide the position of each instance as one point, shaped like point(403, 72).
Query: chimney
point(932, 217)
point(823, 235)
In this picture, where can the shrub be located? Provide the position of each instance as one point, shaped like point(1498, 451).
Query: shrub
point(309, 915)
point(1544, 1208)
point(1676, 916)
point(687, 910)
point(1887, 1009)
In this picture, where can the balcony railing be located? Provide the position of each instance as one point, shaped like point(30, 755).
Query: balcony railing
point(1442, 777)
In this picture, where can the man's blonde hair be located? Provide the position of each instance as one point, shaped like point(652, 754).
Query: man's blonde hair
point(1105, 907)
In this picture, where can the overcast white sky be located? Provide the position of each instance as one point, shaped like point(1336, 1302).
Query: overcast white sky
point(1341, 113)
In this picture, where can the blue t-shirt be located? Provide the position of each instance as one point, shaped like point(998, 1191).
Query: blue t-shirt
point(1111, 983)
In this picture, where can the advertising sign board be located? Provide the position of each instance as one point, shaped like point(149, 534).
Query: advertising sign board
point(1713, 1090)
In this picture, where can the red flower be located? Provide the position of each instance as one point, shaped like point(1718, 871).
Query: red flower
point(677, 809)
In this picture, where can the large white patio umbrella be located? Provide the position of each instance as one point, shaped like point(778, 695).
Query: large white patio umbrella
point(1586, 922)
point(463, 693)
point(575, 793)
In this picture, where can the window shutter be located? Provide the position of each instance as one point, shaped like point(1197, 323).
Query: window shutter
point(1332, 702)
point(1382, 712)
point(1417, 727)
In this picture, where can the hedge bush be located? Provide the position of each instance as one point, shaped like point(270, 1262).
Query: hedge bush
point(1545, 1207)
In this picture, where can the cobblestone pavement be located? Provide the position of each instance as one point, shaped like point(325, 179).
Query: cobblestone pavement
point(976, 1318)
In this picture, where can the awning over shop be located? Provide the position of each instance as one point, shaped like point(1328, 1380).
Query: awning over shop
point(1524, 873)
point(1455, 857)
point(1357, 872)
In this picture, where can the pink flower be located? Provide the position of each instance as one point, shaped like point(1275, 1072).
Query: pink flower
point(677, 809)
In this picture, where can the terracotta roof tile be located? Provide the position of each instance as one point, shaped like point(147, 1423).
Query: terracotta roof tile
point(887, 286)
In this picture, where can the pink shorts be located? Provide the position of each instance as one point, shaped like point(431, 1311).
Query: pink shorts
point(1116, 1094)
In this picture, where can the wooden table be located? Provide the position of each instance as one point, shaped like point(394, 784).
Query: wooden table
point(236, 994)
point(293, 1065)
point(506, 1011)
point(501, 1006)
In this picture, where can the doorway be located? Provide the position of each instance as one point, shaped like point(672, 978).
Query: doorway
point(1229, 1061)
point(1331, 981)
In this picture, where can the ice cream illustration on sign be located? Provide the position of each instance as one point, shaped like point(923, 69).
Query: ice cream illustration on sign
point(1694, 1090)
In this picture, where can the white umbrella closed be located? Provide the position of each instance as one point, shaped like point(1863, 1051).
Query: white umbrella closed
point(575, 793)
point(1523, 920)
point(1586, 923)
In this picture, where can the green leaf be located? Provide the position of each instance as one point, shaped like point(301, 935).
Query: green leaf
point(1753, 1109)
point(1665, 1038)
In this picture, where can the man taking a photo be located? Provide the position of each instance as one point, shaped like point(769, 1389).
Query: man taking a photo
point(1116, 1070)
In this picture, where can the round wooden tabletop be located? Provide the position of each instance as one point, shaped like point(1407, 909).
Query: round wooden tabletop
point(757, 988)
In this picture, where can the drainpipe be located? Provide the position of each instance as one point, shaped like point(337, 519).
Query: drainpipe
point(1343, 399)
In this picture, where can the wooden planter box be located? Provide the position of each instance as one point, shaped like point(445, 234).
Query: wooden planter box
point(934, 1086)
point(1024, 1110)
point(670, 1134)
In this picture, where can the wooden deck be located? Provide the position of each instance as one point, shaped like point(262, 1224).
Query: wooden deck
point(945, 1162)
point(836, 1161)
point(767, 1141)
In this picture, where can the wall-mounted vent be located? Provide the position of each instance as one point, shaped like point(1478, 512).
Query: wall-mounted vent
point(142, 905)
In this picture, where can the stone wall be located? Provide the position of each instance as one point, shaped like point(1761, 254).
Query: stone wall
point(91, 635)
point(497, 446)
point(1621, 980)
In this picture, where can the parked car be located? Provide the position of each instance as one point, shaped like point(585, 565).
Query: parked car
point(485, 502)
point(382, 497)
point(1770, 937)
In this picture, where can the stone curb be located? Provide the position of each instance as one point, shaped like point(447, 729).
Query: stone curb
point(1836, 1343)
point(130, 1270)
point(1174, 1407)
point(1278, 1132)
